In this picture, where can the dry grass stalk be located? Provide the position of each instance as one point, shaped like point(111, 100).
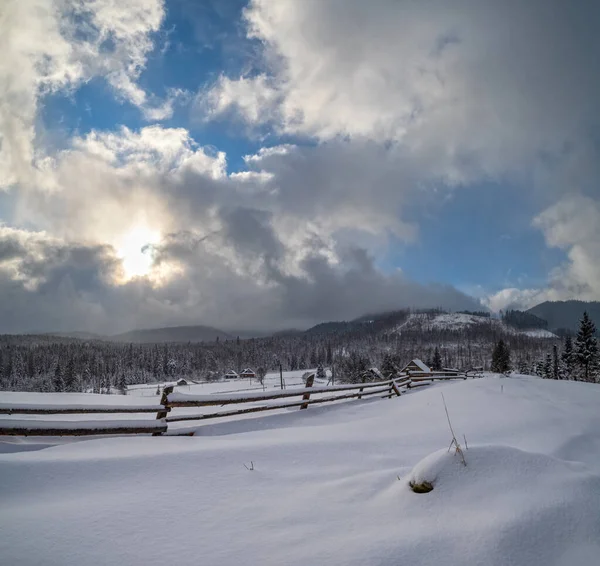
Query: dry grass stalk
point(454, 442)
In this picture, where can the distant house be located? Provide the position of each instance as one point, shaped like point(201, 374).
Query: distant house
point(231, 375)
point(416, 366)
point(248, 374)
point(182, 382)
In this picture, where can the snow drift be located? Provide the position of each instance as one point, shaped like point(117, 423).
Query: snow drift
point(325, 487)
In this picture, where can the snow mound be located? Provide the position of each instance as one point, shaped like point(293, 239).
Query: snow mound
point(521, 503)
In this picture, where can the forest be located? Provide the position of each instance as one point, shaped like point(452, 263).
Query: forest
point(50, 363)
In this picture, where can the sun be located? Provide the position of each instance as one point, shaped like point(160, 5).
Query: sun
point(135, 251)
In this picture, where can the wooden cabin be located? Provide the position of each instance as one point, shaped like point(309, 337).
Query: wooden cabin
point(231, 375)
point(248, 374)
point(416, 366)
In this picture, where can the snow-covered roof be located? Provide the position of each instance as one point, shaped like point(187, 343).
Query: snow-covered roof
point(420, 365)
point(231, 372)
point(376, 372)
point(247, 371)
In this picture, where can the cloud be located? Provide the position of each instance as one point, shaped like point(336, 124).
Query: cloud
point(279, 246)
point(399, 99)
point(50, 46)
point(573, 225)
point(473, 90)
point(51, 284)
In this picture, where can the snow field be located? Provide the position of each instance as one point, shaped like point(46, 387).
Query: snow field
point(325, 487)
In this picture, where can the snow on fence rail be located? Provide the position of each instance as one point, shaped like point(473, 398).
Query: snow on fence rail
point(387, 389)
point(40, 409)
point(23, 427)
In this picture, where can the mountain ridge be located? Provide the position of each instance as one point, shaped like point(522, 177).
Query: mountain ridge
point(564, 316)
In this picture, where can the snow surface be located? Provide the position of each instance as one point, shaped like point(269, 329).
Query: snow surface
point(324, 489)
point(539, 333)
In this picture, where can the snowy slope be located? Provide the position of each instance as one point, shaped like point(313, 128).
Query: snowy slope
point(458, 321)
point(325, 488)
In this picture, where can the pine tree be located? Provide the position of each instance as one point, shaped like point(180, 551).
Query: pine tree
point(59, 384)
point(586, 346)
point(568, 359)
point(122, 384)
point(436, 363)
point(329, 357)
point(69, 375)
point(523, 366)
point(548, 366)
point(501, 358)
point(387, 365)
point(555, 364)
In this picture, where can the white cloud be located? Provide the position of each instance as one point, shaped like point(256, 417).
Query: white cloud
point(49, 46)
point(573, 224)
point(254, 98)
point(472, 89)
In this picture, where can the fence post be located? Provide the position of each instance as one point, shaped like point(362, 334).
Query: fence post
point(364, 378)
point(162, 413)
point(309, 383)
point(394, 389)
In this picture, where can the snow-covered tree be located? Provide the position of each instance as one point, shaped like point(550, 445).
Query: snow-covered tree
point(568, 359)
point(523, 366)
point(59, 384)
point(501, 358)
point(555, 363)
point(436, 363)
point(586, 346)
point(548, 366)
point(260, 374)
point(321, 372)
point(122, 384)
point(388, 367)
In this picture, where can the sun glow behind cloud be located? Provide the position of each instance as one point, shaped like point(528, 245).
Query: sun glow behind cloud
point(136, 253)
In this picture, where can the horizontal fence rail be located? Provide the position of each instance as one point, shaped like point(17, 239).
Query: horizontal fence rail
point(19, 409)
point(79, 428)
point(387, 388)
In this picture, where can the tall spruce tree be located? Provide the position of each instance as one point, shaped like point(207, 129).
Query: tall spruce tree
point(568, 359)
point(122, 383)
point(59, 384)
point(501, 358)
point(586, 346)
point(555, 363)
point(387, 365)
point(69, 376)
point(436, 363)
point(548, 366)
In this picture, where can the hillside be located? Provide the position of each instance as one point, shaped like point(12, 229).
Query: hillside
point(566, 314)
point(459, 322)
point(172, 334)
point(329, 486)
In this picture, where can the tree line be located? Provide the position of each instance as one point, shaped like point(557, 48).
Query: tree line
point(578, 359)
point(46, 363)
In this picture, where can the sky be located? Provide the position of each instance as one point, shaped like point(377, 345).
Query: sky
point(270, 164)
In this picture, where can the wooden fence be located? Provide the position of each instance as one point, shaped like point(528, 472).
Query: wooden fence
point(277, 400)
